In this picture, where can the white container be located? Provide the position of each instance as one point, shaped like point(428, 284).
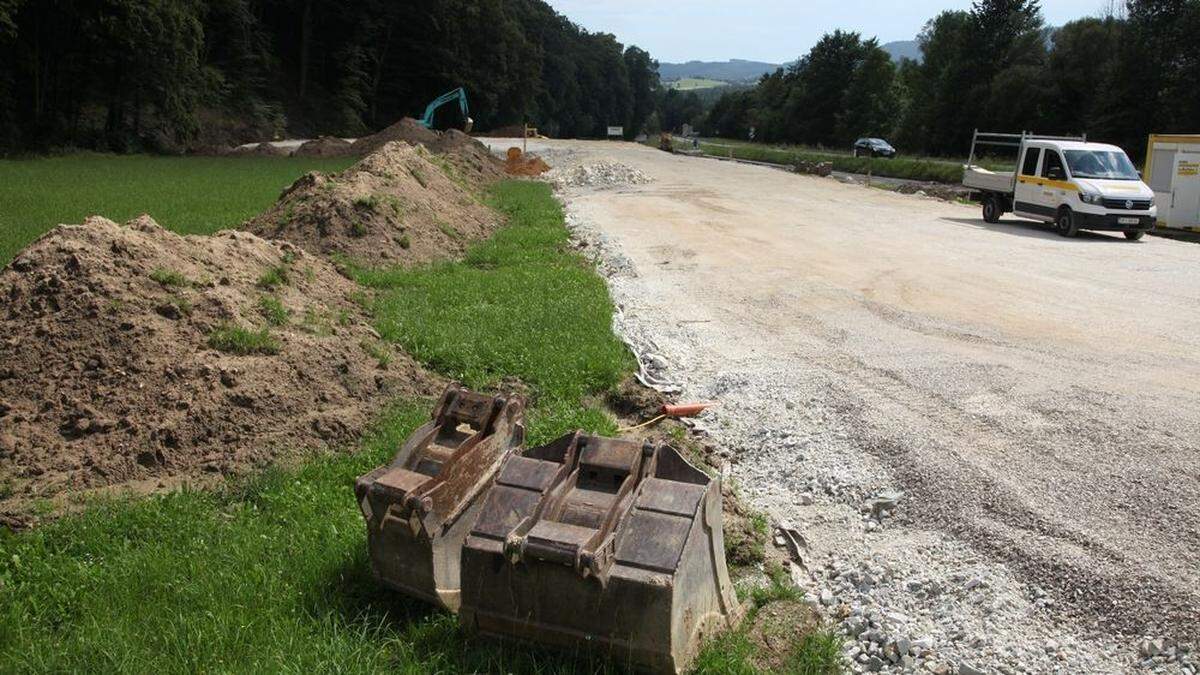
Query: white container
point(1173, 172)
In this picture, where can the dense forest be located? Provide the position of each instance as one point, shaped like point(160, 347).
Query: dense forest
point(996, 67)
point(169, 75)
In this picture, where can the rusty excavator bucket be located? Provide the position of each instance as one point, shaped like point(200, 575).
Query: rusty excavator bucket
point(603, 543)
point(420, 507)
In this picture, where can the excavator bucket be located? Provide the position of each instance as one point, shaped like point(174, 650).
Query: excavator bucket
point(420, 507)
point(601, 543)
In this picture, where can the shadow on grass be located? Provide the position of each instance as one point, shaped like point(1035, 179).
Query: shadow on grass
point(416, 632)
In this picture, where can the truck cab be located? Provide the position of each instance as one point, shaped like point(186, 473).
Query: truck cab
point(1074, 184)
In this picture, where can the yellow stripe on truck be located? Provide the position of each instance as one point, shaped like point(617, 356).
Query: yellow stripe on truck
point(1046, 182)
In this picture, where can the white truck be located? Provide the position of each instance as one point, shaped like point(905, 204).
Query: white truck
point(1067, 181)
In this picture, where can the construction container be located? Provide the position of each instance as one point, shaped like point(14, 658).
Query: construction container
point(1173, 172)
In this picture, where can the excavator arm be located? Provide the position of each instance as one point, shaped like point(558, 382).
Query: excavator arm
point(461, 95)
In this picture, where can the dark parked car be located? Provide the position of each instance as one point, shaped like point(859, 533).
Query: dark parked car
point(873, 147)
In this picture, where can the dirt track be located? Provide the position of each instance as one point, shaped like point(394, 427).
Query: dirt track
point(1037, 399)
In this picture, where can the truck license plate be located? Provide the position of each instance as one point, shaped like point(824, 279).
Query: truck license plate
point(1127, 221)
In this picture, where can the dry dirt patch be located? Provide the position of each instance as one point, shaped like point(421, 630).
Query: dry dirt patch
point(131, 355)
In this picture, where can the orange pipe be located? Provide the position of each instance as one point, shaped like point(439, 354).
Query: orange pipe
point(684, 409)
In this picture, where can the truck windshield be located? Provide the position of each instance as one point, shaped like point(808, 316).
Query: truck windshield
point(1105, 164)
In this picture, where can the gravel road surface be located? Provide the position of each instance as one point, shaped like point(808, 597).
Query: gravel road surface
point(986, 433)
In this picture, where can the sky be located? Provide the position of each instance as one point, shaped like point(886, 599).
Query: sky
point(775, 31)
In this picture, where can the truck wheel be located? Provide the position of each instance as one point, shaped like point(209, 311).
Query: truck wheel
point(1134, 235)
point(1066, 223)
point(991, 209)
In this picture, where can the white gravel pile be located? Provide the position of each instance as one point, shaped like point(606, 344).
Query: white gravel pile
point(599, 174)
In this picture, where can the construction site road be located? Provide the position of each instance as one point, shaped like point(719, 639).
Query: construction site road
point(987, 433)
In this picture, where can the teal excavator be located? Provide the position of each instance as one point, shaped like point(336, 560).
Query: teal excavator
point(458, 94)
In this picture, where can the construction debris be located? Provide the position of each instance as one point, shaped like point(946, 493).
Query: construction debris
point(419, 507)
point(518, 164)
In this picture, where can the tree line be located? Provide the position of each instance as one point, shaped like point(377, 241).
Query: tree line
point(996, 67)
point(167, 75)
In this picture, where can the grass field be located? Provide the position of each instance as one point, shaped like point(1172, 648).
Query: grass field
point(914, 168)
point(694, 83)
point(271, 574)
point(190, 195)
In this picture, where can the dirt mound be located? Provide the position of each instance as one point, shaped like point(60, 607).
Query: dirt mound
point(396, 206)
point(260, 150)
point(326, 146)
point(470, 157)
point(407, 130)
point(517, 163)
point(133, 356)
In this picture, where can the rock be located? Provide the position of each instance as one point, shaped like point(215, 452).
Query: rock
point(884, 501)
point(169, 310)
point(965, 668)
point(973, 583)
point(826, 596)
point(1148, 648)
point(874, 664)
point(937, 668)
point(1050, 647)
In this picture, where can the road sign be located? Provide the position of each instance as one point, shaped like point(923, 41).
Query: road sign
point(616, 131)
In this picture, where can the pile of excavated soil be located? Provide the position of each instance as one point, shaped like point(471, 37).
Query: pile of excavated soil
point(408, 130)
point(118, 363)
point(260, 150)
point(326, 146)
point(396, 206)
point(517, 163)
point(469, 157)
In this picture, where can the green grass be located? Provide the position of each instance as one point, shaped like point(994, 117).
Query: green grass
point(168, 277)
point(693, 83)
point(913, 168)
point(242, 341)
point(520, 304)
point(274, 277)
point(190, 195)
point(273, 310)
point(271, 573)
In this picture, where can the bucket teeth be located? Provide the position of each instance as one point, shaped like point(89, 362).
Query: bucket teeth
point(420, 507)
point(604, 543)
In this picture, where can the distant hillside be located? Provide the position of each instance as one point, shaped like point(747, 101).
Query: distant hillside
point(734, 70)
point(903, 49)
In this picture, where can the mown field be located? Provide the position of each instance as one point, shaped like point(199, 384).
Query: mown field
point(270, 573)
point(937, 170)
point(190, 195)
point(694, 83)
